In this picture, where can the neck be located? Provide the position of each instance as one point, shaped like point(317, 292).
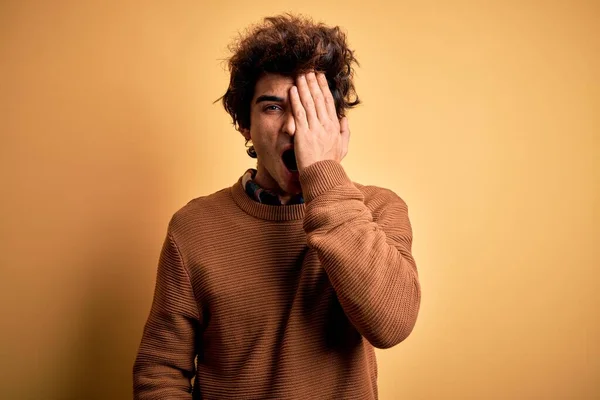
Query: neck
point(266, 181)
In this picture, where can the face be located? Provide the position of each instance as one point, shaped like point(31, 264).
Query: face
point(272, 131)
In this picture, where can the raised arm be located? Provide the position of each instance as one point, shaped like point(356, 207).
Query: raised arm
point(368, 262)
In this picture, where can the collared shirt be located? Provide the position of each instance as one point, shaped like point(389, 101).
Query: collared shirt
point(266, 196)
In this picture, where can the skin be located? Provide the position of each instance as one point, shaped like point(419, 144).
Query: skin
point(298, 112)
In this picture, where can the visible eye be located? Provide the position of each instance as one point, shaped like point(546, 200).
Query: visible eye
point(272, 107)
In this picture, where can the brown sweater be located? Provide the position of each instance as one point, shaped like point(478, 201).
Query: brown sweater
point(280, 302)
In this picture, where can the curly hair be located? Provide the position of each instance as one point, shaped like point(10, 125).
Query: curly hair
point(288, 45)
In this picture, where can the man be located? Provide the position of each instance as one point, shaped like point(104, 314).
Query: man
point(280, 286)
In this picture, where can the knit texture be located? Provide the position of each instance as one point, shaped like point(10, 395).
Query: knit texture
point(280, 302)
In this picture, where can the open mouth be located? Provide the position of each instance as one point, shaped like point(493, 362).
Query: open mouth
point(289, 159)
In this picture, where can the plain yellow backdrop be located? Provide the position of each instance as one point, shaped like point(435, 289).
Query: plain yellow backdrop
point(483, 116)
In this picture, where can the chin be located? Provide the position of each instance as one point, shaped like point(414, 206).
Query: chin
point(293, 189)
point(288, 183)
point(288, 187)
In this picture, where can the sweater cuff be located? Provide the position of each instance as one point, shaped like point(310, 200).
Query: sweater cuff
point(321, 176)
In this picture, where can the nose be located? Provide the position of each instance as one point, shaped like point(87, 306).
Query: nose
point(289, 126)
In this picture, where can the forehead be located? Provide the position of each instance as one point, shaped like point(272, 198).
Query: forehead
point(273, 84)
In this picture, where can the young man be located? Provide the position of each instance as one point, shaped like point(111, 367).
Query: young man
point(282, 284)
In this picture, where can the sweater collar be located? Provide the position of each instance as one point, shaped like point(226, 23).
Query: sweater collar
point(271, 212)
point(316, 180)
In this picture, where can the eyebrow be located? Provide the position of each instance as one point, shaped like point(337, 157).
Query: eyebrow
point(266, 97)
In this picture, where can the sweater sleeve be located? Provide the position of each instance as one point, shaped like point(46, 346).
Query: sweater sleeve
point(369, 264)
point(164, 364)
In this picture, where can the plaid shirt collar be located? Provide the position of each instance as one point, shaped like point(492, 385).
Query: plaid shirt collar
point(266, 196)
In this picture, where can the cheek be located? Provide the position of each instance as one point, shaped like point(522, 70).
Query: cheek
point(264, 131)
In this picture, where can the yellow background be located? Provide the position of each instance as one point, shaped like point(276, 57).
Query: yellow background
point(482, 116)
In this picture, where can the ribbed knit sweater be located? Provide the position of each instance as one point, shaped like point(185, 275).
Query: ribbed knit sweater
point(280, 302)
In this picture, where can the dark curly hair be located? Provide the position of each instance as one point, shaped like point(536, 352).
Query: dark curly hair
point(288, 45)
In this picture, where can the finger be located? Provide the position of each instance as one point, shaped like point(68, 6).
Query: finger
point(307, 101)
point(318, 98)
point(345, 133)
point(327, 96)
point(298, 110)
